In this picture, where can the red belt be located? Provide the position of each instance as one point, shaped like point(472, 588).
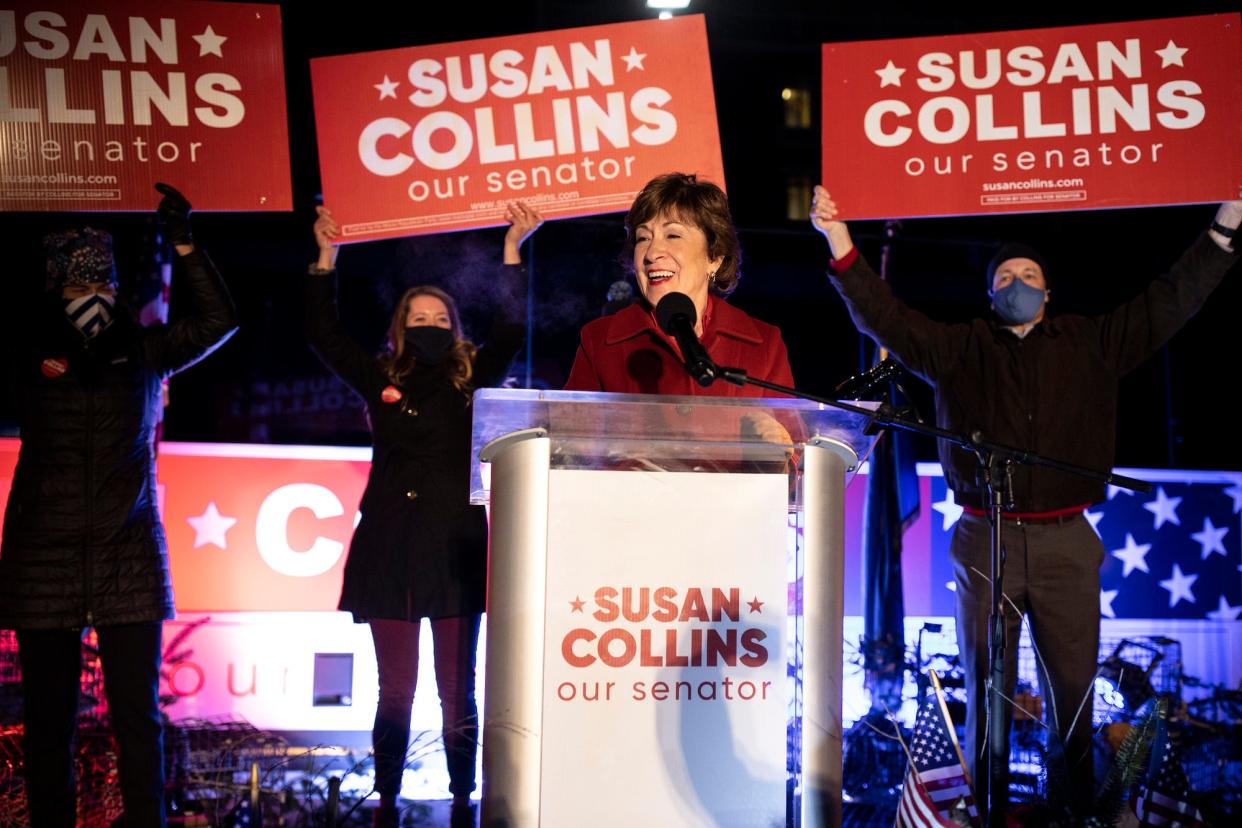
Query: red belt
point(1053, 517)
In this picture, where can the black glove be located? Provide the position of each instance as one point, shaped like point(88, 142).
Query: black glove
point(174, 214)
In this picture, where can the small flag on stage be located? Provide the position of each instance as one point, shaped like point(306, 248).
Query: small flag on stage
point(937, 780)
point(1163, 799)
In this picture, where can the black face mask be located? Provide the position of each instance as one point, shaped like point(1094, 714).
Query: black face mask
point(429, 344)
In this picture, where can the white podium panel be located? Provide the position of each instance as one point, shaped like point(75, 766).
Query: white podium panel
point(640, 609)
point(664, 694)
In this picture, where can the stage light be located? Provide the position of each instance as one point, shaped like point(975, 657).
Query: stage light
point(668, 4)
point(666, 15)
point(1124, 684)
point(1107, 690)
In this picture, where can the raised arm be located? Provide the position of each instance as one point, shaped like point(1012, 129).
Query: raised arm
point(212, 318)
point(339, 351)
point(929, 348)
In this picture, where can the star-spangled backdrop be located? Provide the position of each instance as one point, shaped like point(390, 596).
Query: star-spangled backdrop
point(1174, 553)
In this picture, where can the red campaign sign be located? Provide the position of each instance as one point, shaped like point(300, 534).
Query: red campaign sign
point(435, 138)
point(97, 103)
point(1082, 117)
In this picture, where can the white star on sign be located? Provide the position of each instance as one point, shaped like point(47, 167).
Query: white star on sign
point(1094, 519)
point(1133, 554)
point(209, 43)
point(210, 527)
point(387, 89)
point(890, 75)
point(949, 508)
point(1171, 55)
point(1164, 508)
point(1211, 538)
point(634, 60)
point(1106, 602)
point(1179, 586)
point(1225, 612)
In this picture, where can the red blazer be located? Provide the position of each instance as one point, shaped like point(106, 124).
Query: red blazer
point(627, 353)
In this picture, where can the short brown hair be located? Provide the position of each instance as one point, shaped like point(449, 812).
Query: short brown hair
point(700, 203)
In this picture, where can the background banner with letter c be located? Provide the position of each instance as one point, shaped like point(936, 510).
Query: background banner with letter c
point(435, 138)
point(1081, 117)
point(98, 102)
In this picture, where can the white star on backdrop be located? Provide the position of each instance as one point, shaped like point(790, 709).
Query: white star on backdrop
point(1113, 491)
point(387, 89)
point(1225, 612)
point(1179, 586)
point(210, 527)
point(634, 60)
point(1171, 55)
point(1235, 492)
point(949, 508)
point(209, 43)
point(890, 75)
point(1211, 539)
point(1164, 508)
point(1134, 555)
point(1094, 519)
point(1106, 602)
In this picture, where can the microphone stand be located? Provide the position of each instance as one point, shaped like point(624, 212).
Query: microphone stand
point(996, 461)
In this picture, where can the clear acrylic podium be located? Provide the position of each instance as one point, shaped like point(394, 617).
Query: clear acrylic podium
point(664, 620)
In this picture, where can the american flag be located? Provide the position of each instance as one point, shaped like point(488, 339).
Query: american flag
point(937, 779)
point(154, 280)
point(1163, 799)
point(1174, 553)
point(151, 297)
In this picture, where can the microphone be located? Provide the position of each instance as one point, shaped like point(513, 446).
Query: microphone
point(855, 388)
point(676, 316)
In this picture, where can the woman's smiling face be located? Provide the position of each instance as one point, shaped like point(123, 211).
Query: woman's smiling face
point(670, 255)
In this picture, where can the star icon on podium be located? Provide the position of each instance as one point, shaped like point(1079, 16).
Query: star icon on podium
point(576, 604)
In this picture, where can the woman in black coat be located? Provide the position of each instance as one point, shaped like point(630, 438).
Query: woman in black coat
point(420, 549)
point(83, 545)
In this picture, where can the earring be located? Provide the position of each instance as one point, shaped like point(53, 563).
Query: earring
point(711, 278)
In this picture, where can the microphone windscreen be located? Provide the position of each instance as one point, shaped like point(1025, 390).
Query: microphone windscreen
point(672, 306)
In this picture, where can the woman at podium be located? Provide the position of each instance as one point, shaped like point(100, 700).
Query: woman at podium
point(420, 549)
point(679, 237)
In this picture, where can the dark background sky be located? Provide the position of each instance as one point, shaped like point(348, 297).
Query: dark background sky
point(265, 386)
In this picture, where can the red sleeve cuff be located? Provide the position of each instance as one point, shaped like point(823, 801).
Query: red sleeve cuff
point(843, 263)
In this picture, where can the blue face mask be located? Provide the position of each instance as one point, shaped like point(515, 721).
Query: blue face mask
point(1017, 302)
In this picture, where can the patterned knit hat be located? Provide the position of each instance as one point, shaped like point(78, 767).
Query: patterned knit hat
point(79, 257)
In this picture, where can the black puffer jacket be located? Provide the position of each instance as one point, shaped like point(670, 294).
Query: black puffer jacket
point(83, 544)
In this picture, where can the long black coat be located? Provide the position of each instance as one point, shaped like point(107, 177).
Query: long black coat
point(83, 545)
point(420, 549)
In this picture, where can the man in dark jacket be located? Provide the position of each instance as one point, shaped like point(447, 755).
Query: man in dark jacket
point(1048, 385)
point(83, 545)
